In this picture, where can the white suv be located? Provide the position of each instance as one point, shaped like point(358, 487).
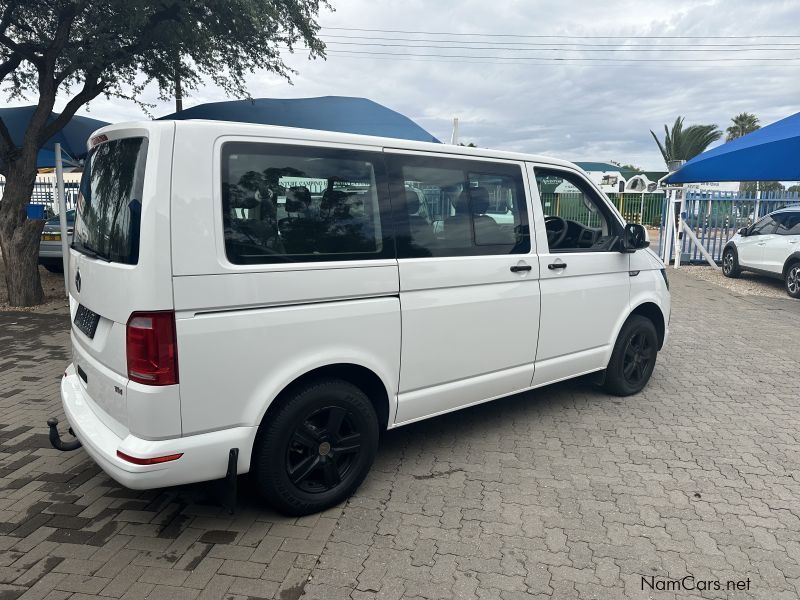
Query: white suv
point(264, 299)
point(770, 247)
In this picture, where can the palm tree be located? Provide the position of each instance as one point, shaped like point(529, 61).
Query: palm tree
point(684, 144)
point(743, 124)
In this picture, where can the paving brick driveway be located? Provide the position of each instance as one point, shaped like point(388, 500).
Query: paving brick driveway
point(560, 493)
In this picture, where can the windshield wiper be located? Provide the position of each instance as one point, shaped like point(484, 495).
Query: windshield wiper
point(91, 252)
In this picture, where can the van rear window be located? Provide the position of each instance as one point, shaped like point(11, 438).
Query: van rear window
point(110, 201)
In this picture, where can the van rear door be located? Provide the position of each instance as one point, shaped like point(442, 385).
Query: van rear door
point(120, 282)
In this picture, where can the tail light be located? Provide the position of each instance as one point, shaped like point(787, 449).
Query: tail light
point(150, 344)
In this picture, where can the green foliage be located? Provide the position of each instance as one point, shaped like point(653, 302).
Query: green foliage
point(794, 189)
point(85, 48)
point(685, 144)
point(115, 46)
point(743, 123)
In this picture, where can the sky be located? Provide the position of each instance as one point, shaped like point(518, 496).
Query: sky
point(596, 108)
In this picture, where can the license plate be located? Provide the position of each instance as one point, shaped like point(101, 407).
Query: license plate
point(51, 237)
point(86, 320)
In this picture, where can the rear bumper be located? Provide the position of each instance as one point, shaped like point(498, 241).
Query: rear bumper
point(205, 456)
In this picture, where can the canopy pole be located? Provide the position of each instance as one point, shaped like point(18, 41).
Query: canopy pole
point(62, 216)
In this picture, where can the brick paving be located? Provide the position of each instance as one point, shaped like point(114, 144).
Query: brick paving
point(560, 493)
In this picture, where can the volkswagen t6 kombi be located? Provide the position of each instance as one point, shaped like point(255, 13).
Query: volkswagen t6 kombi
point(288, 294)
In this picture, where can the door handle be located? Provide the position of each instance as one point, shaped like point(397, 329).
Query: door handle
point(558, 265)
point(520, 268)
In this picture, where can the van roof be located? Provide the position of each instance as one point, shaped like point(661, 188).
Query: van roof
point(316, 135)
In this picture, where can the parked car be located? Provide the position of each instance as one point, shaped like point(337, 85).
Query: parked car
point(770, 247)
point(50, 254)
point(213, 334)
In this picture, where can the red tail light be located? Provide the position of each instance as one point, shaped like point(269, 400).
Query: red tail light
point(150, 343)
point(148, 461)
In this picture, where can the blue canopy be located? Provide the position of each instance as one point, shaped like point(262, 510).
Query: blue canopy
point(771, 153)
point(72, 137)
point(329, 113)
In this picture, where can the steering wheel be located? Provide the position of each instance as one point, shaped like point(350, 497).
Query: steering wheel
point(556, 228)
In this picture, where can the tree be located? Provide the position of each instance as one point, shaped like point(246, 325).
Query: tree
point(794, 189)
point(743, 123)
point(84, 48)
point(685, 144)
point(752, 187)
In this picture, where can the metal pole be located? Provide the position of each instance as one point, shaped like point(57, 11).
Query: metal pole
point(454, 136)
point(62, 216)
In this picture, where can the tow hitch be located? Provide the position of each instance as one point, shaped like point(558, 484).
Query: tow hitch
point(55, 437)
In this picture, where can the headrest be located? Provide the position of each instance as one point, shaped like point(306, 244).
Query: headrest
point(480, 200)
point(462, 203)
point(298, 199)
point(238, 198)
point(412, 202)
point(332, 199)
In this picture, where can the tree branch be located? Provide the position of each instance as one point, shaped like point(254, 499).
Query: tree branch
point(9, 65)
point(92, 87)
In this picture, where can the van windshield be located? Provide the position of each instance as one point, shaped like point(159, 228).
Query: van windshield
point(110, 201)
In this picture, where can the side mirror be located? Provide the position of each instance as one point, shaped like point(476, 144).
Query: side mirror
point(634, 238)
point(743, 231)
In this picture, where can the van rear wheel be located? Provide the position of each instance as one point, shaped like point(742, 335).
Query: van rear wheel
point(633, 358)
point(317, 448)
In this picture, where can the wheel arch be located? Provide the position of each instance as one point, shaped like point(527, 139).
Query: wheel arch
point(364, 378)
point(793, 258)
point(653, 312)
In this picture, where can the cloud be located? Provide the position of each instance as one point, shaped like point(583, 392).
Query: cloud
point(578, 111)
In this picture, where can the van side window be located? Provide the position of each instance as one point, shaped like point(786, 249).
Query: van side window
point(451, 207)
point(298, 204)
point(575, 217)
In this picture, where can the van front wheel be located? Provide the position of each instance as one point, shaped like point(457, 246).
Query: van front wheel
point(316, 448)
point(633, 358)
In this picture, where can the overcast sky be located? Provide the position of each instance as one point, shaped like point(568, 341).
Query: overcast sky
point(592, 110)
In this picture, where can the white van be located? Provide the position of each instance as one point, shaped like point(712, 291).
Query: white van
point(280, 293)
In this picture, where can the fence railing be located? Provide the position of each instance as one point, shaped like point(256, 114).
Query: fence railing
point(645, 209)
point(715, 217)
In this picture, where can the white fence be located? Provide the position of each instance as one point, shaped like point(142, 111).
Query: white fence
point(43, 202)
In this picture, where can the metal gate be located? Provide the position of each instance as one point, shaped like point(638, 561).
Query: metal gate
point(715, 217)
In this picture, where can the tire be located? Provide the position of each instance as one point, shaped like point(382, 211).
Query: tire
point(54, 268)
point(633, 358)
point(316, 448)
point(730, 263)
point(792, 280)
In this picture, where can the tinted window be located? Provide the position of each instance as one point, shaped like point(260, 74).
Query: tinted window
point(576, 218)
point(788, 223)
point(449, 207)
point(110, 201)
point(292, 203)
point(764, 227)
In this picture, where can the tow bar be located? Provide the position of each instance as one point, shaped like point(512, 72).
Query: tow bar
point(55, 437)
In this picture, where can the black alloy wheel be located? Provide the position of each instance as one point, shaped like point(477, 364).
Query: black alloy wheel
point(315, 446)
point(322, 450)
point(633, 358)
point(638, 359)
